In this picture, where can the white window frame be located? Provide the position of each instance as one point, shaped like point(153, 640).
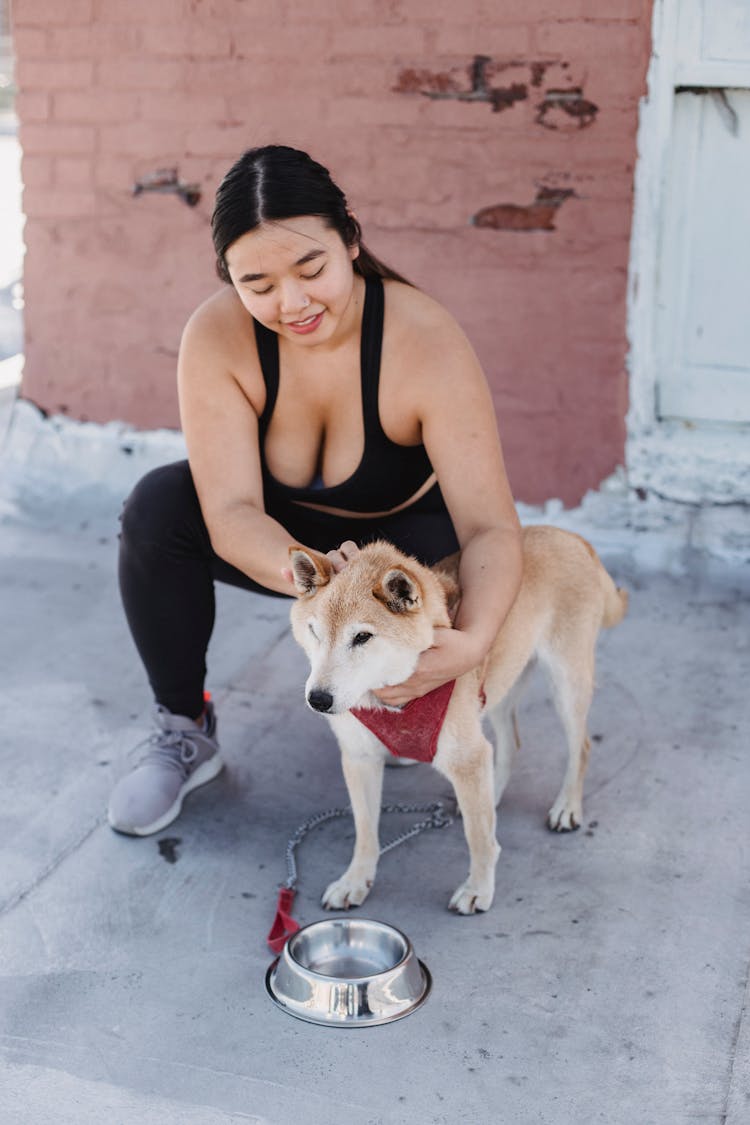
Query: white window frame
point(694, 462)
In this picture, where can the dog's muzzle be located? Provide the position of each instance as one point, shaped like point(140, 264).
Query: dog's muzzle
point(320, 700)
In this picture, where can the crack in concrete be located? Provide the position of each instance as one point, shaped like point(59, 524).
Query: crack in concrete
point(13, 901)
point(739, 1026)
point(218, 900)
point(17, 1041)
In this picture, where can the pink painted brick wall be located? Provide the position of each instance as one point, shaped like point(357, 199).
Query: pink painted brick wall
point(111, 90)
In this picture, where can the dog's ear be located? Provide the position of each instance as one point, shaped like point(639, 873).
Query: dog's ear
point(310, 571)
point(399, 591)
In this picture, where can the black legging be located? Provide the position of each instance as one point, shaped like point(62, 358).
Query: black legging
point(167, 570)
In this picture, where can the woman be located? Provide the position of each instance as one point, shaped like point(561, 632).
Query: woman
point(324, 401)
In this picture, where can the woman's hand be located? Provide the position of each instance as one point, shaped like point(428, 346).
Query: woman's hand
point(343, 555)
point(338, 559)
point(453, 653)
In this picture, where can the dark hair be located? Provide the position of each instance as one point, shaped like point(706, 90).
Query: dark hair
point(277, 182)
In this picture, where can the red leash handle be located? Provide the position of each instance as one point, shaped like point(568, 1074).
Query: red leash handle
point(283, 924)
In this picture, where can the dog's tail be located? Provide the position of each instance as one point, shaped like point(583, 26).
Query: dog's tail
point(615, 604)
point(615, 598)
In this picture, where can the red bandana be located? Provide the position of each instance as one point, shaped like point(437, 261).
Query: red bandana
point(413, 730)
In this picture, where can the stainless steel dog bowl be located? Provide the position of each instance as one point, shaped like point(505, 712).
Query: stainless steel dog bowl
point(348, 973)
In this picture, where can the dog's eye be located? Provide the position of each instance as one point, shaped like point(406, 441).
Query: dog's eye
point(361, 639)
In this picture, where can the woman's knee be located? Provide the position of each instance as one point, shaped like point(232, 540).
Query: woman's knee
point(161, 502)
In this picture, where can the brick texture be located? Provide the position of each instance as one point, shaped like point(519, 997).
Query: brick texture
point(112, 90)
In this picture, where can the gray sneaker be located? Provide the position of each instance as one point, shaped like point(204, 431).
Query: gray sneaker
point(180, 756)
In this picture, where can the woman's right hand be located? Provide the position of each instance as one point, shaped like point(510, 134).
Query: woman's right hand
point(338, 559)
point(342, 555)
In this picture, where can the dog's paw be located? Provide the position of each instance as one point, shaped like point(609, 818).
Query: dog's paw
point(564, 816)
point(469, 899)
point(345, 892)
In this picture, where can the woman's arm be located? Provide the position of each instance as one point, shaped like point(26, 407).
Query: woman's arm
point(459, 431)
point(220, 421)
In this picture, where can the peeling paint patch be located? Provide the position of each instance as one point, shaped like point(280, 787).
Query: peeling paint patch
point(538, 71)
point(538, 215)
point(413, 81)
point(559, 104)
point(444, 85)
point(482, 71)
point(168, 180)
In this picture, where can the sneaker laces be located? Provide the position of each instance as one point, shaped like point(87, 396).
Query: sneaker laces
point(172, 748)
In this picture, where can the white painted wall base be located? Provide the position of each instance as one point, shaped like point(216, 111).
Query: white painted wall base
point(48, 464)
point(53, 469)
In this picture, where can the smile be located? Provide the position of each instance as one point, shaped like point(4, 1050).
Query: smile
point(307, 325)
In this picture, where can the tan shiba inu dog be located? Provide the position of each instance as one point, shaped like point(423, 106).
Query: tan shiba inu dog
point(365, 627)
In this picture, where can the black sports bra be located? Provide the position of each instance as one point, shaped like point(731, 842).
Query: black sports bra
point(388, 474)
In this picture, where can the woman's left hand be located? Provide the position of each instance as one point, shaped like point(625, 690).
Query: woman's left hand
point(452, 654)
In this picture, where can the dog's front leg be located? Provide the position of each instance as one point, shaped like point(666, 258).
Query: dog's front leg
point(470, 772)
point(363, 773)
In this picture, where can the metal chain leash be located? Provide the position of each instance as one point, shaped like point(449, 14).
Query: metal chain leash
point(437, 818)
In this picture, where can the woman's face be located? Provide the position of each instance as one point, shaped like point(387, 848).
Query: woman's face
point(295, 276)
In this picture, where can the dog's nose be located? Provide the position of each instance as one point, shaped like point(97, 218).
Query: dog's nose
point(320, 700)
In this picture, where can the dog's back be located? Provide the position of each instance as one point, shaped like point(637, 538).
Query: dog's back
point(565, 598)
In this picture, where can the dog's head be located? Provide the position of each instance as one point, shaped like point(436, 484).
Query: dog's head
point(365, 627)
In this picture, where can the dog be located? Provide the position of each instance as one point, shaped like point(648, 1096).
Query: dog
point(364, 628)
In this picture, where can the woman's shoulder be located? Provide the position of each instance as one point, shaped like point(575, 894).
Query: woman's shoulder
point(220, 321)
point(218, 348)
point(412, 310)
point(422, 336)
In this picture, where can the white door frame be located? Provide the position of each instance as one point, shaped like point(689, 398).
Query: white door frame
point(691, 462)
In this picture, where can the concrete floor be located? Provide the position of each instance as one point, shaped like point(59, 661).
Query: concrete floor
point(609, 982)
